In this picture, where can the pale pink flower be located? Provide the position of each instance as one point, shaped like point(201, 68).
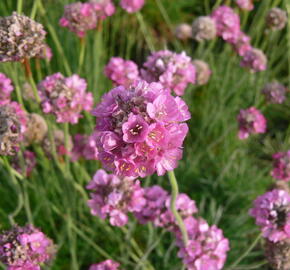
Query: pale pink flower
point(132, 6)
point(6, 88)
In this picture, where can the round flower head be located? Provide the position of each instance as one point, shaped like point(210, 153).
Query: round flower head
point(105, 265)
point(139, 129)
point(103, 8)
point(227, 23)
point(115, 197)
point(20, 37)
point(84, 147)
point(122, 72)
point(5, 89)
point(24, 162)
point(255, 60)
point(65, 97)
point(245, 4)
point(174, 71)
point(183, 31)
point(276, 19)
point(46, 53)
point(207, 247)
point(275, 92)
point(25, 248)
point(251, 121)
point(132, 6)
point(36, 129)
point(204, 28)
point(203, 72)
point(272, 213)
point(79, 17)
point(278, 254)
point(242, 44)
point(281, 166)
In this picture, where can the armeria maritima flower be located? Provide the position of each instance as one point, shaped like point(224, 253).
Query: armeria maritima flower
point(25, 248)
point(203, 71)
point(6, 88)
point(36, 129)
point(183, 31)
point(103, 8)
point(274, 92)
point(242, 44)
point(84, 146)
point(255, 60)
point(281, 166)
point(245, 4)
point(122, 72)
point(20, 37)
point(272, 213)
point(105, 265)
point(140, 129)
point(276, 19)
point(204, 28)
point(132, 6)
point(174, 71)
point(251, 121)
point(115, 197)
point(64, 97)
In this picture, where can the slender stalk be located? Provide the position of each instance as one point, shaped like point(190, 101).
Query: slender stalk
point(145, 32)
point(174, 194)
point(82, 54)
point(19, 6)
point(66, 144)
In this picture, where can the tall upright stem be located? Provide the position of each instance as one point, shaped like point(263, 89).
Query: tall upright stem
point(82, 54)
point(19, 6)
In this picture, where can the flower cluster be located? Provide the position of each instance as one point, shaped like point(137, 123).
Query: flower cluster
point(204, 28)
point(84, 147)
point(203, 72)
point(251, 121)
point(245, 4)
point(139, 129)
point(122, 72)
point(281, 166)
point(25, 248)
point(36, 129)
point(6, 88)
point(255, 60)
point(105, 265)
point(65, 97)
point(114, 197)
point(183, 31)
point(174, 71)
point(132, 6)
point(20, 37)
point(275, 92)
point(24, 162)
point(103, 8)
point(271, 211)
point(45, 53)
point(276, 19)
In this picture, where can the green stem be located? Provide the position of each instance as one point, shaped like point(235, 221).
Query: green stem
point(145, 32)
point(82, 54)
point(19, 6)
point(174, 194)
point(66, 144)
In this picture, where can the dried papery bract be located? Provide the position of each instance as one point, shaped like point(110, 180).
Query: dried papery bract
point(276, 19)
point(203, 72)
point(20, 38)
point(105, 265)
point(275, 93)
point(204, 28)
point(36, 129)
point(183, 31)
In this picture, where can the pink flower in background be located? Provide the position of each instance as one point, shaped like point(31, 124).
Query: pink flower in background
point(65, 97)
point(6, 88)
point(242, 44)
point(84, 147)
point(140, 129)
point(271, 211)
point(172, 70)
point(132, 6)
point(255, 60)
point(105, 265)
point(46, 53)
point(21, 115)
point(122, 72)
point(103, 8)
point(274, 92)
point(245, 4)
point(79, 17)
point(24, 163)
point(25, 248)
point(114, 197)
point(227, 23)
point(281, 166)
point(251, 121)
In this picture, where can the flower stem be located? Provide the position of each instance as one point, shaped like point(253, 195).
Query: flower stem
point(82, 53)
point(19, 6)
point(66, 145)
point(174, 194)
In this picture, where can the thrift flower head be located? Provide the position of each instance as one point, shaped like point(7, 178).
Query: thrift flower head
point(122, 72)
point(276, 19)
point(251, 121)
point(242, 44)
point(105, 265)
point(79, 17)
point(278, 254)
point(139, 129)
point(132, 6)
point(5, 89)
point(84, 147)
point(274, 92)
point(174, 71)
point(24, 162)
point(271, 211)
point(227, 23)
point(103, 8)
point(65, 97)
point(20, 37)
point(204, 28)
point(46, 53)
point(183, 31)
point(281, 166)
point(203, 72)
point(25, 248)
point(245, 4)
point(115, 197)
point(255, 60)
point(36, 129)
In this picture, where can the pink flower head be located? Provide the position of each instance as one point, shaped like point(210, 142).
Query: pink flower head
point(6, 88)
point(25, 248)
point(24, 163)
point(105, 265)
point(242, 44)
point(103, 8)
point(227, 23)
point(79, 17)
point(140, 129)
point(172, 70)
point(274, 92)
point(251, 121)
point(281, 166)
point(21, 115)
point(207, 247)
point(84, 147)
point(46, 53)
point(115, 197)
point(255, 60)
point(65, 97)
point(132, 6)
point(271, 211)
point(122, 72)
point(245, 4)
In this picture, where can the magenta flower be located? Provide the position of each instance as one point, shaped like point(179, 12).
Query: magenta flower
point(271, 211)
point(132, 6)
point(122, 72)
point(242, 44)
point(6, 88)
point(24, 163)
point(139, 130)
point(281, 166)
point(227, 23)
point(45, 53)
point(65, 97)
point(114, 197)
point(84, 147)
point(251, 121)
point(245, 4)
point(255, 60)
point(25, 248)
point(172, 70)
point(79, 17)
point(274, 92)
point(105, 265)
point(103, 8)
